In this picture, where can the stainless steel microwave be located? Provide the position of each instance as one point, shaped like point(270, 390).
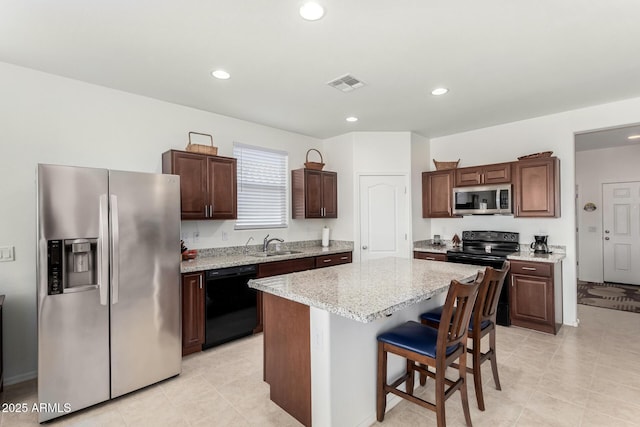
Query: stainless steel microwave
point(482, 200)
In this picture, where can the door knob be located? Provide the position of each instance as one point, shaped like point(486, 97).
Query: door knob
point(606, 238)
point(606, 231)
point(364, 247)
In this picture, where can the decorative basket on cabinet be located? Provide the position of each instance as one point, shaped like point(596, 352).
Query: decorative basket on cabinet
point(314, 165)
point(199, 148)
point(445, 165)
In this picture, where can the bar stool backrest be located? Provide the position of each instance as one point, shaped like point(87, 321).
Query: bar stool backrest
point(456, 313)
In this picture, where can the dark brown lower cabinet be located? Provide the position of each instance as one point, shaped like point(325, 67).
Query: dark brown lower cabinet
point(268, 269)
point(430, 256)
point(1, 362)
point(192, 312)
point(333, 259)
point(535, 297)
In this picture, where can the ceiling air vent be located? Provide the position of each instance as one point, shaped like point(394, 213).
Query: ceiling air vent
point(346, 83)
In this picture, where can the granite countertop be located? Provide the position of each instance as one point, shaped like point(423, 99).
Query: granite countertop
point(530, 256)
point(427, 247)
point(221, 260)
point(558, 253)
point(368, 290)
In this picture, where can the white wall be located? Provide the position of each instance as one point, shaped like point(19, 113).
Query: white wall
point(421, 227)
point(338, 153)
point(49, 119)
point(507, 142)
point(363, 153)
point(594, 168)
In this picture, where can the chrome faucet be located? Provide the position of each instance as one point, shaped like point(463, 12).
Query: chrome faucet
point(267, 240)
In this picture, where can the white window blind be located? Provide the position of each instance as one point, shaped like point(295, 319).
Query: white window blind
point(262, 187)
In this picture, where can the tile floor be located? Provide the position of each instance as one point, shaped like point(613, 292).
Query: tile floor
point(577, 378)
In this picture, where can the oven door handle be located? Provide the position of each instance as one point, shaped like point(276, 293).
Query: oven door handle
point(471, 258)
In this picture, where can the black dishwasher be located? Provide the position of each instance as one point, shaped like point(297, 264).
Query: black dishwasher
point(230, 305)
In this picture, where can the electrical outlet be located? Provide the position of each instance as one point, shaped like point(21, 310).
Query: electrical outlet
point(7, 254)
point(225, 236)
point(196, 236)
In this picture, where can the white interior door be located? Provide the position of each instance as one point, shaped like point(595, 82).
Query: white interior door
point(383, 216)
point(621, 225)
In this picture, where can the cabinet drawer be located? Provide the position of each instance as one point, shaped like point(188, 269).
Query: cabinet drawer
point(268, 269)
point(333, 259)
point(540, 269)
point(430, 256)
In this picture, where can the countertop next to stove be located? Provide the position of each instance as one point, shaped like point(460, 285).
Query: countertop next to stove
point(557, 255)
point(525, 254)
point(427, 246)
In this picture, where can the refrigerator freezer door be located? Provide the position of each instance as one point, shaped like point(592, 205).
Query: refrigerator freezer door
point(73, 328)
point(145, 318)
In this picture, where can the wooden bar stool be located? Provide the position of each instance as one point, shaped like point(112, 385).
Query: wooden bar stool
point(425, 347)
point(483, 322)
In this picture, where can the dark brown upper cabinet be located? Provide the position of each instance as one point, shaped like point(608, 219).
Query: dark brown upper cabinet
point(537, 188)
point(499, 173)
point(314, 194)
point(437, 189)
point(208, 188)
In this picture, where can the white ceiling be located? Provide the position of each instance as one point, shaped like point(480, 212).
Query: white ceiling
point(503, 60)
point(607, 138)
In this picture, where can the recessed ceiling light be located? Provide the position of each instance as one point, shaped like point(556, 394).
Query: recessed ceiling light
point(311, 11)
point(352, 119)
point(634, 137)
point(220, 74)
point(439, 91)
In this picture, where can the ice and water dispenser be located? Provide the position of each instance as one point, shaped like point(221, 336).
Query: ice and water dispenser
point(72, 265)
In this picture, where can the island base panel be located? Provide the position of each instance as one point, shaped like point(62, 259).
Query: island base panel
point(287, 355)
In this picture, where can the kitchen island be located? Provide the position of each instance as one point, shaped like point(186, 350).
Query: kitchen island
point(320, 329)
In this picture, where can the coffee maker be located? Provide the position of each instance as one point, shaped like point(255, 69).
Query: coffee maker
point(540, 245)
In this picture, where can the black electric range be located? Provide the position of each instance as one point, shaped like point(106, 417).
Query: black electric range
point(490, 249)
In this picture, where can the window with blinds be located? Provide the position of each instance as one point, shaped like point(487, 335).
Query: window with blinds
point(262, 187)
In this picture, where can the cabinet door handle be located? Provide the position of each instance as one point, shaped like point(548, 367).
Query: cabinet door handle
point(206, 210)
point(211, 211)
point(430, 259)
point(529, 268)
point(327, 260)
point(200, 281)
point(344, 257)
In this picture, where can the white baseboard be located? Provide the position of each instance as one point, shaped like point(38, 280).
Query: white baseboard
point(21, 378)
point(392, 400)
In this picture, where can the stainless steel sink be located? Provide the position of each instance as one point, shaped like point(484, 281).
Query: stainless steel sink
point(276, 253)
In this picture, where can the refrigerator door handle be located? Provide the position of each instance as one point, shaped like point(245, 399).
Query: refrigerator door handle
point(103, 250)
point(115, 250)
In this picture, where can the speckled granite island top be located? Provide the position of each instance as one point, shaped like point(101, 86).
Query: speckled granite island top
point(369, 290)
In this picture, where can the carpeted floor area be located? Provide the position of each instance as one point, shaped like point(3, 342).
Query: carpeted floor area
point(609, 295)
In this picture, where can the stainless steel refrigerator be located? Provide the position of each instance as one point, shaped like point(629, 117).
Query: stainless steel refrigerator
point(108, 284)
